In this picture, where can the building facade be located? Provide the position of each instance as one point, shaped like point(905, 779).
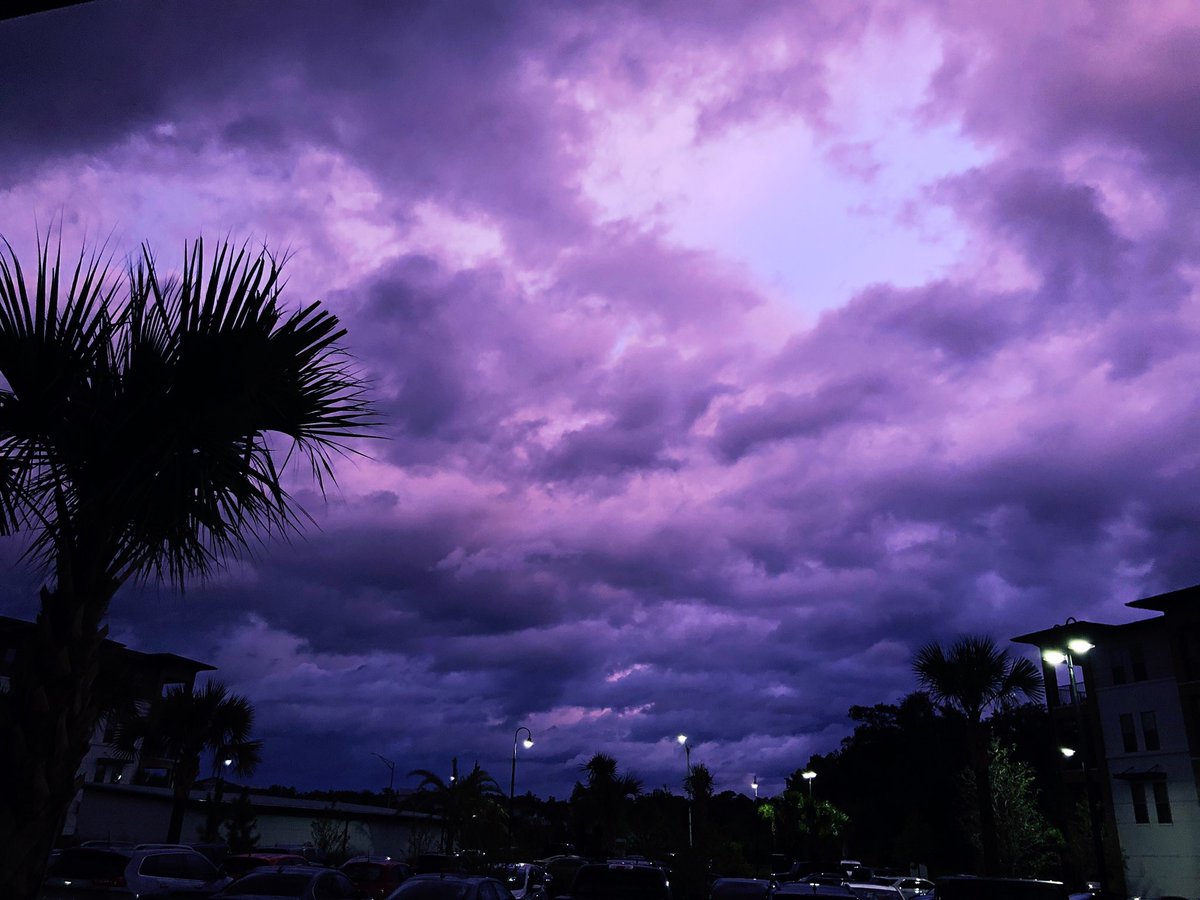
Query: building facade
point(1125, 702)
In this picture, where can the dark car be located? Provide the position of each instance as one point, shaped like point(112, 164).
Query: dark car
point(450, 887)
point(244, 863)
point(376, 876)
point(560, 872)
point(292, 883)
point(814, 889)
point(620, 881)
point(97, 872)
point(739, 889)
point(973, 887)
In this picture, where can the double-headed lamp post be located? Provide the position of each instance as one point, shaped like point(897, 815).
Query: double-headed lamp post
point(687, 749)
point(391, 775)
point(1056, 657)
point(512, 782)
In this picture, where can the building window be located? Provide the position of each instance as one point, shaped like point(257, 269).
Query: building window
point(1137, 663)
point(1119, 667)
point(1128, 733)
point(1150, 731)
point(1162, 803)
point(1137, 792)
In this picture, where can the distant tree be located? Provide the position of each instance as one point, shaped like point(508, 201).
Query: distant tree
point(971, 679)
point(475, 795)
point(144, 425)
point(186, 725)
point(241, 828)
point(600, 805)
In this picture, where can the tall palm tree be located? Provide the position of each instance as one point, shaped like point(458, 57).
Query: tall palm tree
point(459, 799)
point(971, 679)
point(600, 804)
point(186, 725)
point(141, 422)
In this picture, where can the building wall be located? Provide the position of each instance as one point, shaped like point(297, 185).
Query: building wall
point(142, 814)
point(1160, 857)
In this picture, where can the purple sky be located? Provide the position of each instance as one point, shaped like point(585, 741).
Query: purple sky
point(727, 352)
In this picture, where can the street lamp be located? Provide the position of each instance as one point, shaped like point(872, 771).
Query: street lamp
point(682, 739)
point(391, 774)
point(754, 784)
point(512, 783)
point(808, 775)
point(1057, 656)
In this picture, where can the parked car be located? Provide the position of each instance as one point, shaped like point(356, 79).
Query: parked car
point(525, 881)
point(292, 883)
point(96, 872)
point(814, 889)
point(975, 887)
point(870, 891)
point(620, 881)
point(910, 887)
point(450, 887)
point(560, 872)
point(739, 889)
point(243, 863)
point(377, 876)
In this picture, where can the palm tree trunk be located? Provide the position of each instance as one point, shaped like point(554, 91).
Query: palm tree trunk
point(48, 717)
point(182, 778)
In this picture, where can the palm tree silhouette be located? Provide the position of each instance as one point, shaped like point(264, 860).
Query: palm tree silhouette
point(600, 804)
point(975, 677)
point(460, 799)
point(186, 725)
point(141, 425)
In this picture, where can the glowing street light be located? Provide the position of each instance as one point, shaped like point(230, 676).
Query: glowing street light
point(683, 740)
point(754, 784)
point(512, 784)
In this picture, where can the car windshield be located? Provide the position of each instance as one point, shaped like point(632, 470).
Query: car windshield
point(270, 884)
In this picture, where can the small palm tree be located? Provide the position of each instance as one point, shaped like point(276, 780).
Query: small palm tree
point(144, 424)
point(186, 725)
point(460, 799)
point(971, 679)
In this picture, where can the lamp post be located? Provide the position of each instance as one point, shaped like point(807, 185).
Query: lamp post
point(757, 825)
point(808, 775)
point(1056, 656)
point(391, 775)
point(512, 782)
point(682, 739)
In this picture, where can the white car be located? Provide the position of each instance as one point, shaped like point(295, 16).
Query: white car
point(910, 887)
point(96, 872)
point(526, 881)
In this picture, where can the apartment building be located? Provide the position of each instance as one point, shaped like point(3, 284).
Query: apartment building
point(1125, 701)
